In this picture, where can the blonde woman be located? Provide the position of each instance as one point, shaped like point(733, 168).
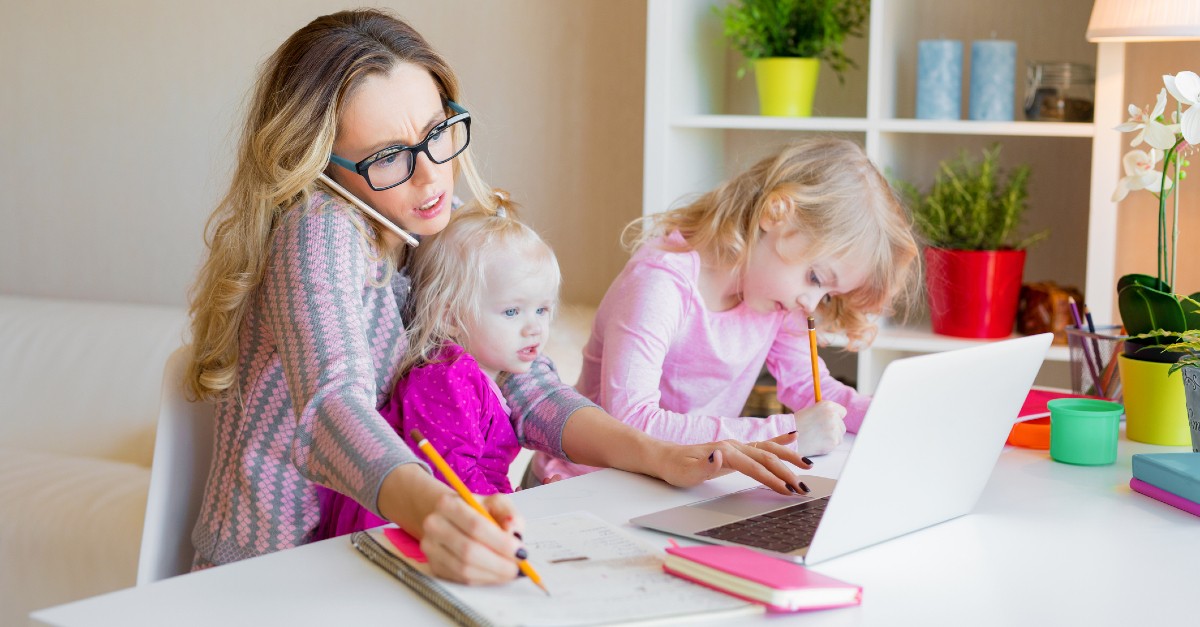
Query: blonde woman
point(719, 287)
point(296, 319)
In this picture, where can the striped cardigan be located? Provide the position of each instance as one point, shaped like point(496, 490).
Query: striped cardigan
point(317, 351)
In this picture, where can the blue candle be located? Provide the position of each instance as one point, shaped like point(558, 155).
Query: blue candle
point(993, 72)
point(939, 79)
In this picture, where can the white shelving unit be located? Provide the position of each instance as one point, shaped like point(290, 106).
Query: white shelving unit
point(702, 126)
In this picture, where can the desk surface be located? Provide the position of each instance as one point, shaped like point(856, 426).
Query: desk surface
point(1047, 544)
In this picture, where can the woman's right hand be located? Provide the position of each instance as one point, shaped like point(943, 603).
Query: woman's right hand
point(461, 545)
point(819, 429)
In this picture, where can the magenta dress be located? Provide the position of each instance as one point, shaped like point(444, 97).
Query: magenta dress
point(462, 413)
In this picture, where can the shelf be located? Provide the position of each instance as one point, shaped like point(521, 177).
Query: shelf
point(935, 127)
point(923, 340)
point(769, 123)
point(972, 127)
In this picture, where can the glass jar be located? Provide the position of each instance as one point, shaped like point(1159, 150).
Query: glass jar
point(1059, 91)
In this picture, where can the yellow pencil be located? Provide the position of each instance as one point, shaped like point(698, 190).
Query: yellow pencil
point(462, 490)
point(812, 350)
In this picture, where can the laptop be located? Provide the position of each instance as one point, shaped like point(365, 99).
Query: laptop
point(924, 453)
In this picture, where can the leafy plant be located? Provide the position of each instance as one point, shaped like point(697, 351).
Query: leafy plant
point(795, 28)
point(970, 207)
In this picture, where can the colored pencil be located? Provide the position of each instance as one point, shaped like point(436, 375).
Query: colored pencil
point(1101, 383)
point(812, 350)
point(466, 495)
point(1087, 354)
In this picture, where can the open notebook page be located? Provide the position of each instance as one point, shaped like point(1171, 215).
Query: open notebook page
point(597, 574)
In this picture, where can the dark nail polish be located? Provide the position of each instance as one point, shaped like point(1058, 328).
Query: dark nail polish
point(518, 535)
point(790, 432)
point(804, 487)
point(521, 573)
point(711, 455)
point(793, 490)
point(806, 460)
point(522, 553)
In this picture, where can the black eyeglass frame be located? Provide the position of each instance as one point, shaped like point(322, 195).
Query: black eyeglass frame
point(360, 168)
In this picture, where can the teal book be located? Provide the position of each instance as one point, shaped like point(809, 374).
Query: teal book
point(1177, 473)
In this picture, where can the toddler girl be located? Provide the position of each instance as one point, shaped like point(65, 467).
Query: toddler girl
point(484, 290)
point(719, 287)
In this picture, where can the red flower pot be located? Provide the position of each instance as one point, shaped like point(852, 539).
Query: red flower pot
point(973, 293)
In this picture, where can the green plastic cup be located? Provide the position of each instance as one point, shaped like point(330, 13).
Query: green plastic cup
point(1083, 431)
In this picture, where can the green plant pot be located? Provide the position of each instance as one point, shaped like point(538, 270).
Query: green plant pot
point(786, 85)
point(1155, 410)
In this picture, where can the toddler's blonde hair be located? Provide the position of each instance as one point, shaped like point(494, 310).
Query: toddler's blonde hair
point(826, 189)
point(449, 274)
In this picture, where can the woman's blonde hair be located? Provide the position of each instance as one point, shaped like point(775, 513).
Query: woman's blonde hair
point(449, 274)
point(286, 142)
point(829, 191)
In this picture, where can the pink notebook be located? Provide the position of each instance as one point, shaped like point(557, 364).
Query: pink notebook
point(780, 585)
point(1174, 500)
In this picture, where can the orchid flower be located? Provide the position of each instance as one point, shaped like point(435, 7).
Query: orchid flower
point(1155, 133)
point(1185, 87)
point(1139, 174)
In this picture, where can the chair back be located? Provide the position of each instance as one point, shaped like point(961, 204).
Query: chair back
point(182, 453)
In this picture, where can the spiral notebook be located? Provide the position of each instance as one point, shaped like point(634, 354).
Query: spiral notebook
point(597, 575)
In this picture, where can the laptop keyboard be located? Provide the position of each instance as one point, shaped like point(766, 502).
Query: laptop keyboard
point(783, 530)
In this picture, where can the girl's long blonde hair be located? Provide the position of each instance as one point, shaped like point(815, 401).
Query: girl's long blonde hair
point(286, 141)
point(826, 189)
point(449, 274)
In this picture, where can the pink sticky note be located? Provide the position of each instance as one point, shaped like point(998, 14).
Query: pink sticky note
point(406, 544)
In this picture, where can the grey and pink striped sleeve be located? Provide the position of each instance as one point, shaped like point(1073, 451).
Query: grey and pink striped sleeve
point(541, 404)
point(313, 306)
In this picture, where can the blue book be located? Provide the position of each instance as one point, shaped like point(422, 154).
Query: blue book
point(1177, 473)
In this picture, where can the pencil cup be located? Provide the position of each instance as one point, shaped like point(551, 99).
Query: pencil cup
point(1083, 431)
point(1093, 355)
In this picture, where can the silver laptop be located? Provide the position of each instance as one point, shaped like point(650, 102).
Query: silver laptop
point(933, 433)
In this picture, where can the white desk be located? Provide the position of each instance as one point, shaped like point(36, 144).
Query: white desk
point(1048, 544)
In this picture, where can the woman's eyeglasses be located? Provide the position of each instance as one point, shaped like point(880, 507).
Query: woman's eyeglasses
point(395, 164)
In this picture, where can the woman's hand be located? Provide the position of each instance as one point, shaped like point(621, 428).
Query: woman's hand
point(819, 429)
point(461, 545)
point(686, 465)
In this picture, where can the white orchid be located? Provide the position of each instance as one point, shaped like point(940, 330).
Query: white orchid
point(1185, 87)
point(1148, 126)
point(1140, 174)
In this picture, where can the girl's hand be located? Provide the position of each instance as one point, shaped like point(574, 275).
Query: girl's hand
point(819, 429)
point(686, 465)
point(463, 546)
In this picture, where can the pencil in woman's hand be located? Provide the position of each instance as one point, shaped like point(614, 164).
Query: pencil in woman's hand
point(812, 351)
point(466, 495)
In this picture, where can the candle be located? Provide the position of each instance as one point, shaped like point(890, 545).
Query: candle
point(939, 79)
point(993, 73)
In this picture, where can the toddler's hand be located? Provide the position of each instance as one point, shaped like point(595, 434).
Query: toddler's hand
point(819, 429)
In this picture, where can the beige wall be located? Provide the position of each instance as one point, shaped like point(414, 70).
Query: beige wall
point(118, 121)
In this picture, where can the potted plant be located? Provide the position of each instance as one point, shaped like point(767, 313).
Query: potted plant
point(973, 263)
point(1185, 347)
point(1159, 321)
point(786, 40)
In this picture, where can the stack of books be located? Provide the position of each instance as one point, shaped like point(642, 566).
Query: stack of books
point(1173, 478)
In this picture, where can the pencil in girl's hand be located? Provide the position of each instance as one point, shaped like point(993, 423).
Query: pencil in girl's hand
point(466, 495)
point(812, 351)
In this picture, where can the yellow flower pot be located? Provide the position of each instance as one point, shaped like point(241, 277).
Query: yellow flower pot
point(786, 85)
point(1155, 406)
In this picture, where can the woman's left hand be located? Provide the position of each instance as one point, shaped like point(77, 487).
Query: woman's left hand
point(686, 465)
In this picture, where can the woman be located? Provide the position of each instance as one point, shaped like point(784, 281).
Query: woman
point(296, 322)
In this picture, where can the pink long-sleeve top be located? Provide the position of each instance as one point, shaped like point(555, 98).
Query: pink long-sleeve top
point(317, 353)
point(659, 360)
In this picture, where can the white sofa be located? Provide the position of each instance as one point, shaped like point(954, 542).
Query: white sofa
point(79, 395)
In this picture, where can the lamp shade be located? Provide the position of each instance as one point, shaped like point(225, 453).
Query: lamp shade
point(1144, 20)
